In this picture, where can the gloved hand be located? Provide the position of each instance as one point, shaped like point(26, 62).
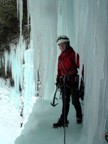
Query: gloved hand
point(57, 82)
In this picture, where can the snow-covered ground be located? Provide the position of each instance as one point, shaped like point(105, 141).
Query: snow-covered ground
point(38, 129)
point(9, 117)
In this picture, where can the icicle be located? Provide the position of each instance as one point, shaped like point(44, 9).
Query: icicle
point(20, 10)
point(6, 55)
point(17, 8)
point(28, 14)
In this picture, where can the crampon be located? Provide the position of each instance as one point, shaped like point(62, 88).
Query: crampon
point(60, 124)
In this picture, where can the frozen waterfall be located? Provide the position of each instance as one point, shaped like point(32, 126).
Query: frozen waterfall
point(85, 22)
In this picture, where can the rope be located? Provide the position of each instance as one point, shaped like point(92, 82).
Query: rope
point(64, 109)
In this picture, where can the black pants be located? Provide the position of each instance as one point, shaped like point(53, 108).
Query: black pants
point(74, 93)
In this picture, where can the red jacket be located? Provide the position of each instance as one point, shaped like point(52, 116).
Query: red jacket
point(68, 62)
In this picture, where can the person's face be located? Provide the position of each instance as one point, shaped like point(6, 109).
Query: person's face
point(62, 46)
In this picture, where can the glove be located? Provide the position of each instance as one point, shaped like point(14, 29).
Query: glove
point(57, 82)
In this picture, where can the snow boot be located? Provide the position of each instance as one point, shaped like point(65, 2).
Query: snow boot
point(60, 123)
point(79, 120)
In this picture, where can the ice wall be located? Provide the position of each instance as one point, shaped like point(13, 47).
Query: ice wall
point(85, 22)
point(91, 36)
point(43, 34)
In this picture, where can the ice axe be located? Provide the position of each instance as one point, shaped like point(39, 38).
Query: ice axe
point(54, 98)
